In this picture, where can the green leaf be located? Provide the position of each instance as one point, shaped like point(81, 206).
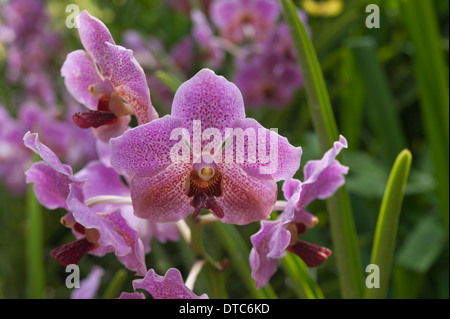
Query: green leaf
point(383, 116)
point(423, 245)
point(34, 247)
point(387, 225)
point(345, 242)
point(115, 286)
point(171, 81)
point(431, 72)
point(297, 270)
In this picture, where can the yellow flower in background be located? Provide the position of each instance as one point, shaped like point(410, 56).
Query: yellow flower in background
point(325, 8)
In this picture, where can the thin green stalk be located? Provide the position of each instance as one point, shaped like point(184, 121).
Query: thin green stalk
point(301, 280)
point(171, 81)
point(383, 114)
point(431, 72)
point(345, 242)
point(34, 248)
point(213, 274)
point(387, 225)
point(115, 286)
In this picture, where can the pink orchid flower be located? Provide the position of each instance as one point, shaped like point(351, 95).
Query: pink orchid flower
point(107, 79)
point(238, 190)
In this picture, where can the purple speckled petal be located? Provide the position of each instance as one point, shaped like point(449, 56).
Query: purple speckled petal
point(112, 129)
point(131, 295)
point(162, 198)
point(169, 286)
point(290, 187)
point(31, 141)
point(79, 72)
point(245, 198)
point(50, 187)
point(212, 99)
point(323, 177)
point(101, 180)
point(271, 241)
point(280, 162)
point(144, 150)
point(103, 152)
point(113, 228)
point(269, 244)
point(51, 177)
point(93, 35)
point(89, 285)
point(130, 82)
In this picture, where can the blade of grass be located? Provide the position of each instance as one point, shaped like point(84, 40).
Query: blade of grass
point(171, 81)
point(352, 99)
point(343, 233)
point(115, 286)
point(432, 80)
point(35, 286)
point(383, 115)
point(386, 231)
point(305, 286)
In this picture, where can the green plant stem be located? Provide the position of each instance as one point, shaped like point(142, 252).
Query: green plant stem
point(301, 280)
point(345, 242)
point(214, 274)
point(34, 247)
point(432, 81)
point(387, 225)
point(115, 286)
point(383, 113)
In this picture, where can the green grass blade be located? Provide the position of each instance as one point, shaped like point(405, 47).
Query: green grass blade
point(431, 72)
point(297, 270)
point(345, 243)
point(387, 224)
point(115, 286)
point(383, 115)
point(171, 81)
point(35, 287)
point(351, 92)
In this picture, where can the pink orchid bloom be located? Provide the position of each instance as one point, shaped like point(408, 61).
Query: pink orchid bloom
point(99, 229)
point(107, 79)
point(238, 190)
point(322, 179)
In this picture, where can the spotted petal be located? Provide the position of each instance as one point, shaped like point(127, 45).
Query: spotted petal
point(130, 82)
point(169, 286)
point(79, 72)
point(209, 98)
point(274, 157)
point(245, 198)
point(144, 150)
point(94, 35)
point(162, 198)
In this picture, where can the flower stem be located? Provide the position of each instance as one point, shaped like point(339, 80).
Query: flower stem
point(343, 233)
point(34, 247)
point(212, 268)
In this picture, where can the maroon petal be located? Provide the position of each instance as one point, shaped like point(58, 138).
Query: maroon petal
point(72, 252)
point(313, 255)
point(92, 118)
